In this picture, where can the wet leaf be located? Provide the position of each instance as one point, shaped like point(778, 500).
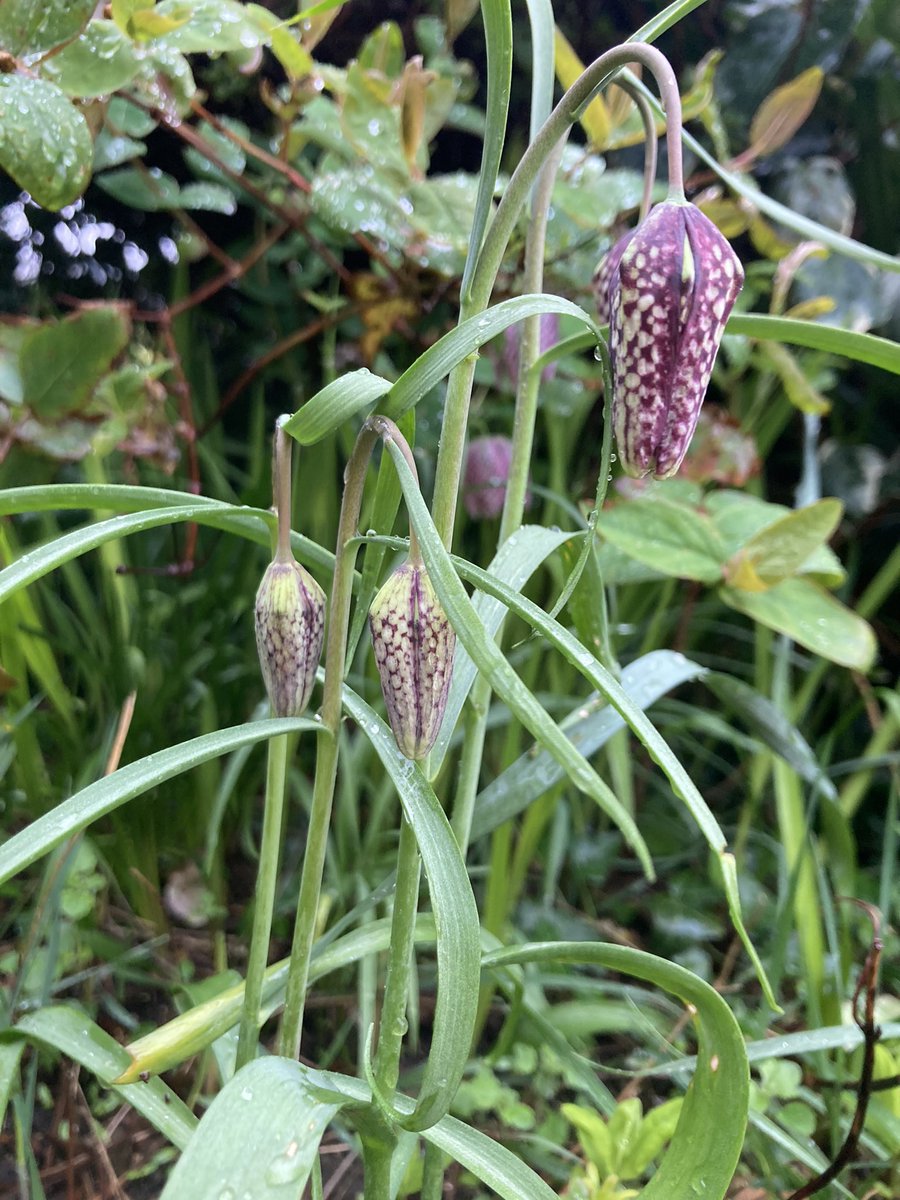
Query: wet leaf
point(669, 537)
point(812, 617)
point(99, 62)
point(28, 28)
point(780, 550)
point(45, 144)
point(63, 361)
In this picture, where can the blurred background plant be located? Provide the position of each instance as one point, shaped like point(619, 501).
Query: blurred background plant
point(206, 216)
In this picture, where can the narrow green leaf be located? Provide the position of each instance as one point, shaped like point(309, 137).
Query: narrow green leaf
point(514, 564)
point(45, 143)
point(498, 38)
point(492, 664)
point(334, 405)
point(455, 916)
point(109, 793)
point(877, 352)
point(669, 537)
point(438, 360)
point(258, 1139)
point(530, 776)
point(244, 521)
point(771, 725)
point(72, 1032)
point(811, 616)
point(708, 1139)
point(655, 744)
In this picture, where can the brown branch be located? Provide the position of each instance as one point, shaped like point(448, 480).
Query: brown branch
point(865, 1021)
point(229, 276)
point(281, 348)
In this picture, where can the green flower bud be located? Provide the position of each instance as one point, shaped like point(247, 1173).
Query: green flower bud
point(290, 627)
point(414, 645)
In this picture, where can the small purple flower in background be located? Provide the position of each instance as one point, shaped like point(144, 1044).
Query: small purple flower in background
point(484, 482)
point(414, 645)
point(549, 336)
point(667, 290)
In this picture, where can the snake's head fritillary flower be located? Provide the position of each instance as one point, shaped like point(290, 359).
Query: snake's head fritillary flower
point(669, 290)
point(414, 645)
point(290, 628)
point(488, 461)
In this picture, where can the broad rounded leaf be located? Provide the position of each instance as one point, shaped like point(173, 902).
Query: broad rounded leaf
point(811, 617)
point(101, 61)
point(671, 538)
point(63, 361)
point(28, 28)
point(45, 144)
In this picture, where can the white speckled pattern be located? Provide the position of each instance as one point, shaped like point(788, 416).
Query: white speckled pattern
point(414, 645)
point(290, 628)
point(667, 288)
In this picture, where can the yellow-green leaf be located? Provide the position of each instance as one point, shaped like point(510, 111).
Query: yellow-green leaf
point(783, 112)
point(595, 120)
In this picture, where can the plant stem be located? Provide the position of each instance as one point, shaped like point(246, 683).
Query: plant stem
point(330, 713)
point(651, 151)
point(396, 989)
point(281, 472)
point(552, 134)
point(555, 129)
point(265, 899)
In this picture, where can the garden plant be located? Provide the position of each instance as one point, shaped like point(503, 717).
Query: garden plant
point(450, 743)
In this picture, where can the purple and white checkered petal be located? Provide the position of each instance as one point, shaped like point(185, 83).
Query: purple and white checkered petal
point(414, 645)
point(717, 279)
point(644, 337)
point(605, 275)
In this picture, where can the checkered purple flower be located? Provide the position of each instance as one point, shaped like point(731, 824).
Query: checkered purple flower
point(414, 644)
point(667, 289)
point(290, 629)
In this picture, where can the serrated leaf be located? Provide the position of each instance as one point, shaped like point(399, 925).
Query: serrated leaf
point(811, 616)
point(63, 361)
point(671, 538)
point(101, 61)
point(45, 144)
point(783, 112)
point(28, 28)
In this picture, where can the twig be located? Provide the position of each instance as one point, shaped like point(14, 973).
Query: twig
point(867, 983)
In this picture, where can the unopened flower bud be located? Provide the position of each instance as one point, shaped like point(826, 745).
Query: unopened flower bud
point(669, 291)
point(487, 471)
point(290, 627)
point(414, 645)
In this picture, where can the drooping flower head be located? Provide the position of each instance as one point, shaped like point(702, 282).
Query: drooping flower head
point(290, 628)
point(488, 461)
point(414, 645)
point(668, 287)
